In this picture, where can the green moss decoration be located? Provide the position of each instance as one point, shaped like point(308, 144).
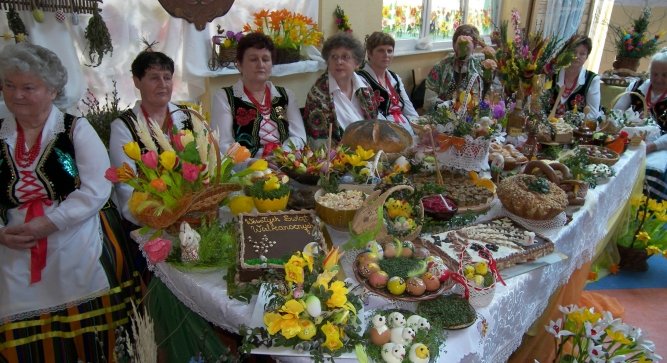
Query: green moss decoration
point(447, 312)
point(99, 40)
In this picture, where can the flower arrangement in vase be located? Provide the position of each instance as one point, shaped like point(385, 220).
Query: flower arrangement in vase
point(644, 233)
point(634, 42)
point(288, 30)
point(524, 56)
point(176, 175)
point(311, 310)
point(584, 335)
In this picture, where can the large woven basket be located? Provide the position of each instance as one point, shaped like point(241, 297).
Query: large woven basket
point(645, 112)
point(226, 56)
point(193, 208)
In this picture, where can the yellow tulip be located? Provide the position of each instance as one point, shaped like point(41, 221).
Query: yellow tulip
point(168, 159)
point(132, 150)
point(259, 165)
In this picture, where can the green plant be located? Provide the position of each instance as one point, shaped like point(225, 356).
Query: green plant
point(646, 226)
point(101, 116)
point(269, 188)
point(584, 335)
point(635, 41)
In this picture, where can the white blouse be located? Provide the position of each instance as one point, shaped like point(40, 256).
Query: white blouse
point(409, 111)
point(73, 272)
point(121, 135)
point(222, 119)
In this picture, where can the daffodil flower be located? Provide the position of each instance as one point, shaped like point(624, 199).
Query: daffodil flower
point(332, 334)
point(364, 154)
point(643, 236)
point(339, 296)
point(273, 322)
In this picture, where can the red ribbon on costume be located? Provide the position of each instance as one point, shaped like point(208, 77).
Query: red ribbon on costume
point(35, 208)
point(457, 278)
point(394, 105)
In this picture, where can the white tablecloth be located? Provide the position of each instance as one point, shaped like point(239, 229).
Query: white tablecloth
point(515, 306)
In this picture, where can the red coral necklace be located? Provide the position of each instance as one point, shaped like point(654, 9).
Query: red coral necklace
point(24, 157)
point(265, 106)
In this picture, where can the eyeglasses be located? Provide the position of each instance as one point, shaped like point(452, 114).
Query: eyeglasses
point(344, 58)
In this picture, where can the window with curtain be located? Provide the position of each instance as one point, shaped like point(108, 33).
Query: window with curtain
point(411, 20)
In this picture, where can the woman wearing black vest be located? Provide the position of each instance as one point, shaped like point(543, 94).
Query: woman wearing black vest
point(64, 286)
point(152, 73)
point(254, 112)
point(388, 88)
point(580, 86)
point(654, 91)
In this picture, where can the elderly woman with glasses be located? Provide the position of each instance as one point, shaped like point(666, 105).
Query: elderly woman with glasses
point(340, 96)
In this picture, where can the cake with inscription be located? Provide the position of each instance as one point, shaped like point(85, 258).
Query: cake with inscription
point(267, 240)
point(507, 241)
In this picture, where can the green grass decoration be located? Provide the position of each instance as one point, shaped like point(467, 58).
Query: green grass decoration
point(447, 312)
point(217, 248)
point(399, 266)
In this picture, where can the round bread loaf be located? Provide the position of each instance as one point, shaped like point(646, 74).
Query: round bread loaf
point(377, 135)
point(532, 197)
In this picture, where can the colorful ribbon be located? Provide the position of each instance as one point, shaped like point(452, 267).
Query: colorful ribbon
point(35, 208)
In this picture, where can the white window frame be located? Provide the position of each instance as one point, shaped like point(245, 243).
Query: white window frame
point(409, 46)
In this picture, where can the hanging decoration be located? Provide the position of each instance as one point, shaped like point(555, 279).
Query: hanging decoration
point(199, 12)
point(73, 6)
point(342, 21)
point(16, 26)
point(99, 40)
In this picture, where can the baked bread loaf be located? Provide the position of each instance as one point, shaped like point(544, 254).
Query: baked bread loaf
point(532, 197)
point(377, 135)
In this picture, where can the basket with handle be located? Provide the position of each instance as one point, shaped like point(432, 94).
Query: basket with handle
point(199, 205)
point(645, 111)
point(478, 296)
point(367, 217)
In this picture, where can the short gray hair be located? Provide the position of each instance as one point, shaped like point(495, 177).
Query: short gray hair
point(34, 59)
point(343, 40)
point(660, 57)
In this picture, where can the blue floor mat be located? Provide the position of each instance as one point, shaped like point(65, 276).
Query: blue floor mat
point(655, 277)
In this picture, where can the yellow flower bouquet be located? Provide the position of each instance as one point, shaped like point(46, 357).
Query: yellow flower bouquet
point(289, 31)
point(311, 310)
point(645, 232)
point(176, 176)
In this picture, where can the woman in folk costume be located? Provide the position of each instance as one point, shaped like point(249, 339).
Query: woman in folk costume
point(388, 88)
point(654, 91)
point(340, 96)
point(64, 283)
point(580, 87)
point(152, 73)
point(254, 112)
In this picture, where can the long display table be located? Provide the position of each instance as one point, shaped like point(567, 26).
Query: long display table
point(511, 313)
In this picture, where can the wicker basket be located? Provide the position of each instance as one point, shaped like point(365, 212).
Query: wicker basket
point(226, 56)
point(607, 161)
point(478, 297)
point(645, 112)
point(367, 217)
point(338, 219)
point(287, 55)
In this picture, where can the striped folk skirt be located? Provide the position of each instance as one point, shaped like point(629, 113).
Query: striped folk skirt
point(86, 332)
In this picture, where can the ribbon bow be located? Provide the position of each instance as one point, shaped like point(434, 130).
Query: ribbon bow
point(35, 208)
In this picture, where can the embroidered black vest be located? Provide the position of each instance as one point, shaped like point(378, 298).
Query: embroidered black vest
point(128, 117)
point(56, 169)
point(578, 97)
point(247, 134)
point(659, 110)
point(385, 104)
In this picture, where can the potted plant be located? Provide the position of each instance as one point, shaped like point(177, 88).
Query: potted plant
point(270, 194)
point(289, 31)
point(645, 235)
point(634, 43)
